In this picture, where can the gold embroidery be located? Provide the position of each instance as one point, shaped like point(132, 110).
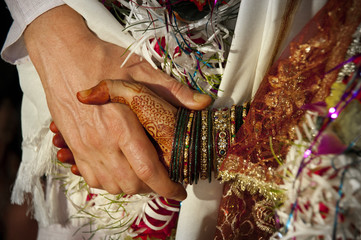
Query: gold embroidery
point(263, 213)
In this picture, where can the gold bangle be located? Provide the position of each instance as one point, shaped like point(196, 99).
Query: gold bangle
point(186, 147)
point(221, 125)
point(204, 145)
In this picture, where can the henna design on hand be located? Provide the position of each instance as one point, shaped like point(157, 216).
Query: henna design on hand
point(155, 114)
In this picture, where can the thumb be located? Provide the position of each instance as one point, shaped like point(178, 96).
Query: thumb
point(173, 91)
point(97, 95)
point(181, 95)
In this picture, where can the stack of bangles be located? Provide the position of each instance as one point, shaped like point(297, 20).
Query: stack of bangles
point(201, 141)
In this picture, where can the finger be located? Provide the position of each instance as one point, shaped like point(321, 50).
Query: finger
point(123, 174)
point(98, 94)
point(74, 169)
point(65, 155)
point(86, 171)
point(59, 141)
point(144, 161)
point(120, 165)
point(53, 127)
point(114, 173)
point(169, 88)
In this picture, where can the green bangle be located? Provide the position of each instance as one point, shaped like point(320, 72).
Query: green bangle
point(196, 148)
point(175, 144)
point(180, 147)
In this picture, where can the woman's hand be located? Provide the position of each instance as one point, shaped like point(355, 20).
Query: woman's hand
point(109, 145)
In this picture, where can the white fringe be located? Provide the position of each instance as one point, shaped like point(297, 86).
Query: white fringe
point(30, 173)
point(310, 190)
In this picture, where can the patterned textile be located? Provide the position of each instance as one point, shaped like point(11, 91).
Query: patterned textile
point(300, 76)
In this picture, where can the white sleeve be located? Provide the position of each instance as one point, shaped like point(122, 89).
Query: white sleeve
point(23, 13)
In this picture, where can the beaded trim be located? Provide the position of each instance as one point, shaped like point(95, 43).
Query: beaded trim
point(254, 181)
point(353, 50)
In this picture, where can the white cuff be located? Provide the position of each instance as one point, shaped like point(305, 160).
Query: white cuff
point(23, 12)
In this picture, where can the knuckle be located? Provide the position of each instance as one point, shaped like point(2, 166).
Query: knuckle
point(92, 183)
point(139, 70)
point(133, 145)
point(177, 89)
point(132, 190)
point(114, 190)
point(124, 139)
point(144, 172)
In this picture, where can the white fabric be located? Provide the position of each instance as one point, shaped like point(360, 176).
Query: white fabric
point(23, 12)
point(256, 29)
point(59, 232)
point(199, 212)
point(36, 160)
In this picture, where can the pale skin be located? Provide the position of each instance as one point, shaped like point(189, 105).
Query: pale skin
point(109, 144)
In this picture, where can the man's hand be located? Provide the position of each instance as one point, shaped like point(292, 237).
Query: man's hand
point(109, 144)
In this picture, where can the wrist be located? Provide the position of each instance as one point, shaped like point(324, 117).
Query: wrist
point(59, 25)
point(51, 39)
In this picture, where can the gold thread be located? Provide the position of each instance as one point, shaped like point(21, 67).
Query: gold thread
point(242, 182)
point(233, 124)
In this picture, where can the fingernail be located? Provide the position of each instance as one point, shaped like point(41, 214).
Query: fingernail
point(85, 93)
point(198, 97)
point(74, 169)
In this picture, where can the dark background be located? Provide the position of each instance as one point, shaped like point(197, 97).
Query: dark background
point(14, 223)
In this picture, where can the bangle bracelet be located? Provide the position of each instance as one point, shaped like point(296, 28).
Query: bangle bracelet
point(201, 141)
point(204, 145)
point(178, 146)
point(239, 117)
point(186, 147)
point(174, 145)
point(196, 137)
point(210, 154)
point(179, 176)
point(221, 132)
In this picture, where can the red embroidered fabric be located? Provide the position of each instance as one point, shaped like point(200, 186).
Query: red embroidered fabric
point(297, 78)
point(244, 216)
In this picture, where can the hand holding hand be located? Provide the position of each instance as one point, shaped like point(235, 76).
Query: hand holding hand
point(109, 145)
